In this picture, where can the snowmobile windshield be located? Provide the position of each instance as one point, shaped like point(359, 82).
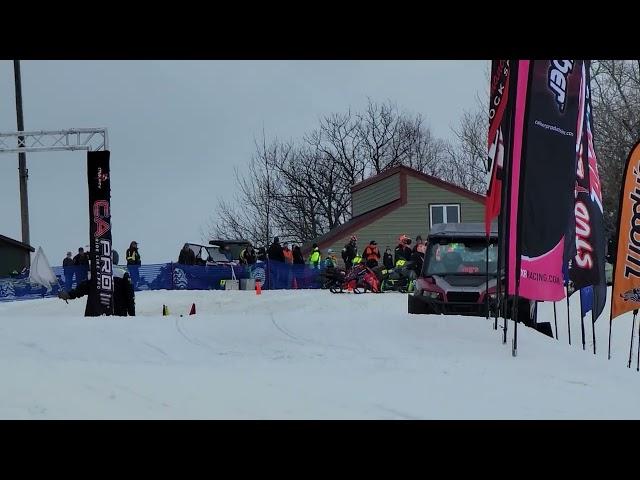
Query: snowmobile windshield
point(460, 258)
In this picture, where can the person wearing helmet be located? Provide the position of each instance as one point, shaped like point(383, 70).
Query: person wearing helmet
point(372, 254)
point(349, 252)
point(124, 297)
point(330, 261)
point(403, 250)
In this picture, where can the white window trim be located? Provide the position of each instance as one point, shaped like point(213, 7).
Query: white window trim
point(444, 211)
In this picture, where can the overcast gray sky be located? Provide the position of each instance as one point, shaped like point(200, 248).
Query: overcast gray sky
point(178, 128)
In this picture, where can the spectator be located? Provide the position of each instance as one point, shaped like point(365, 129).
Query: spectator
point(298, 266)
point(262, 254)
point(124, 302)
point(116, 257)
point(418, 254)
point(298, 259)
point(275, 251)
point(288, 254)
point(133, 263)
point(276, 263)
point(330, 260)
point(403, 250)
point(315, 257)
point(248, 256)
point(387, 258)
point(67, 267)
point(372, 254)
point(81, 261)
point(187, 256)
point(349, 252)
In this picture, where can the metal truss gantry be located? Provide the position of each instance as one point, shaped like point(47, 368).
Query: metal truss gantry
point(91, 139)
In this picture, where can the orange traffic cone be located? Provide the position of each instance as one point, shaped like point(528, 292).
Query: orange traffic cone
point(193, 309)
point(258, 287)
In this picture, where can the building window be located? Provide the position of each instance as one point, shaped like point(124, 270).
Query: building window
point(444, 214)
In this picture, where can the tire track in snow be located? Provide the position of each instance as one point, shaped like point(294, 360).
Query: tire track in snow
point(198, 343)
point(299, 341)
point(303, 341)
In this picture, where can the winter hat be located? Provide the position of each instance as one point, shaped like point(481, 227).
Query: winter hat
point(276, 240)
point(68, 254)
point(372, 242)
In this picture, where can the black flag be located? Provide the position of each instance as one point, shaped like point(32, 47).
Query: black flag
point(101, 283)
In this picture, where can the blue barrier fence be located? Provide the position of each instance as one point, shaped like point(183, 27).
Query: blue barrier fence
point(171, 276)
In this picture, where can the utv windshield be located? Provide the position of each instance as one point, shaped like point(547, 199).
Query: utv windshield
point(460, 258)
point(215, 255)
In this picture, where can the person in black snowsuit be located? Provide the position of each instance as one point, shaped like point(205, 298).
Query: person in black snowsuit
point(124, 302)
point(276, 254)
point(387, 259)
point(67, 267)
point(349, 252)
point(187, 256)
point(275, 251)
point(417, 254)
point(81, 260)
point(298, 259)
point(403, 250)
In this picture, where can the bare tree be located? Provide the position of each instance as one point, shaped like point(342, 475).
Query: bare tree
point(615, 90)
point(303, 190)
point(250, 216)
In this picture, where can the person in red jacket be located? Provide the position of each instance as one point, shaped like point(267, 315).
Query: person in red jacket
point(371, 254)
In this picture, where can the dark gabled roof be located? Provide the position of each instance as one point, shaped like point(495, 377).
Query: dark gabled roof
point(421, 176)
point(352, 225)
point(462, 230)
point(16, 243)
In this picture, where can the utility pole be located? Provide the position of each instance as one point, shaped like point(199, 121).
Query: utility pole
point(22, 159)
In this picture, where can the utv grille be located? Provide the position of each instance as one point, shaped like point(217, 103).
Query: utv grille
point(467, 297)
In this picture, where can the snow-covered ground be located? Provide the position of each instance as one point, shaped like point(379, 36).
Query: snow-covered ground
point(302, 355)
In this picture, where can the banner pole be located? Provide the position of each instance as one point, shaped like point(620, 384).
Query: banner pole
point(633, 329)
point(582, 328)
point(568, 312)
point(555, 318)
point(486, 290)
point(593, 328)
point(514, 349)
point(609, 354)
point(638, 360)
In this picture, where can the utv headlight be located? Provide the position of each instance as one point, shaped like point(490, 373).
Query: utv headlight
point(432, 295)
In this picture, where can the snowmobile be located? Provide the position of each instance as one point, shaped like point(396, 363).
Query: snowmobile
point(401, 278)
point(359, 279)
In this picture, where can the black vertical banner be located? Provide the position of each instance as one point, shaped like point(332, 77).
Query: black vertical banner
point(101, 282)
point(550, 140)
